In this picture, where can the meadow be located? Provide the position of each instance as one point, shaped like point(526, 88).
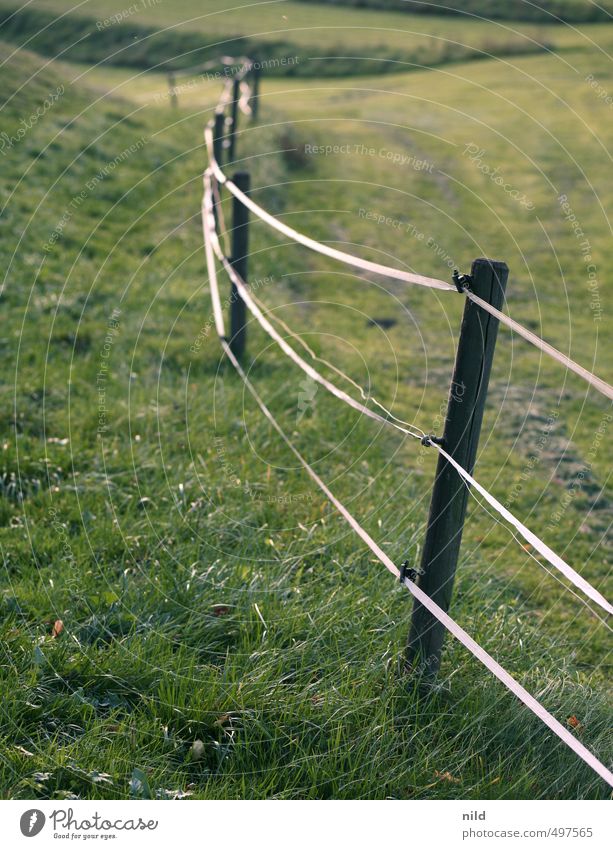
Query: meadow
point(183, 613)
point(549, 11)
point(339, 42)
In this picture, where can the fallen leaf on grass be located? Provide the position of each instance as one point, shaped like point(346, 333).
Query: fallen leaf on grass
point(220, 610)
point(162, 793)
point(446, 776)
point(197, 750)
point(574, 722)
point(58, 627)
point(100, 777)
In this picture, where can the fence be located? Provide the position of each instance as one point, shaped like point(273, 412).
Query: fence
point(484, 290)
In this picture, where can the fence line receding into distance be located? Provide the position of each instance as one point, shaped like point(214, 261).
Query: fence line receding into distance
point(217, 137)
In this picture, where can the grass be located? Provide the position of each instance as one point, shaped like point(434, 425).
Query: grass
point(549, 11)
point(206, 590)
point(362, 41)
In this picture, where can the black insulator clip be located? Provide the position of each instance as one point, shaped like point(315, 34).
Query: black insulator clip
point(461, 281)
point(410, 572)
point(429, 439)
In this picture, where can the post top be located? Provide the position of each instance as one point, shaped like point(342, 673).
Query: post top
point(494, 263)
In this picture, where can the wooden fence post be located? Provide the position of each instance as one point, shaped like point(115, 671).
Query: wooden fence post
point(240, 250)
point(218, 131)
point(460, 439)
point(236, 93)
point(172, 89)
point(255, 94)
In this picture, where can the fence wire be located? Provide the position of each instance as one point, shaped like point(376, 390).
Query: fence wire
point(214, 174)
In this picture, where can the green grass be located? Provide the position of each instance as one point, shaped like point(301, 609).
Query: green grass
point(323, 42)
point(207, 590)
point(310, 25)
point(548, 11)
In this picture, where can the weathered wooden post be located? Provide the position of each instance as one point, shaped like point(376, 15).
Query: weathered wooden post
point(218, 131)
point(236, 94)
point(240, 250)
point(466, 403)
point(172, 89)
point(255, 94)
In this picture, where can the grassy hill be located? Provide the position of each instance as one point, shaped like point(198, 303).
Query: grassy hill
point(206, 591)
point(188, 32)
point(548, 11)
